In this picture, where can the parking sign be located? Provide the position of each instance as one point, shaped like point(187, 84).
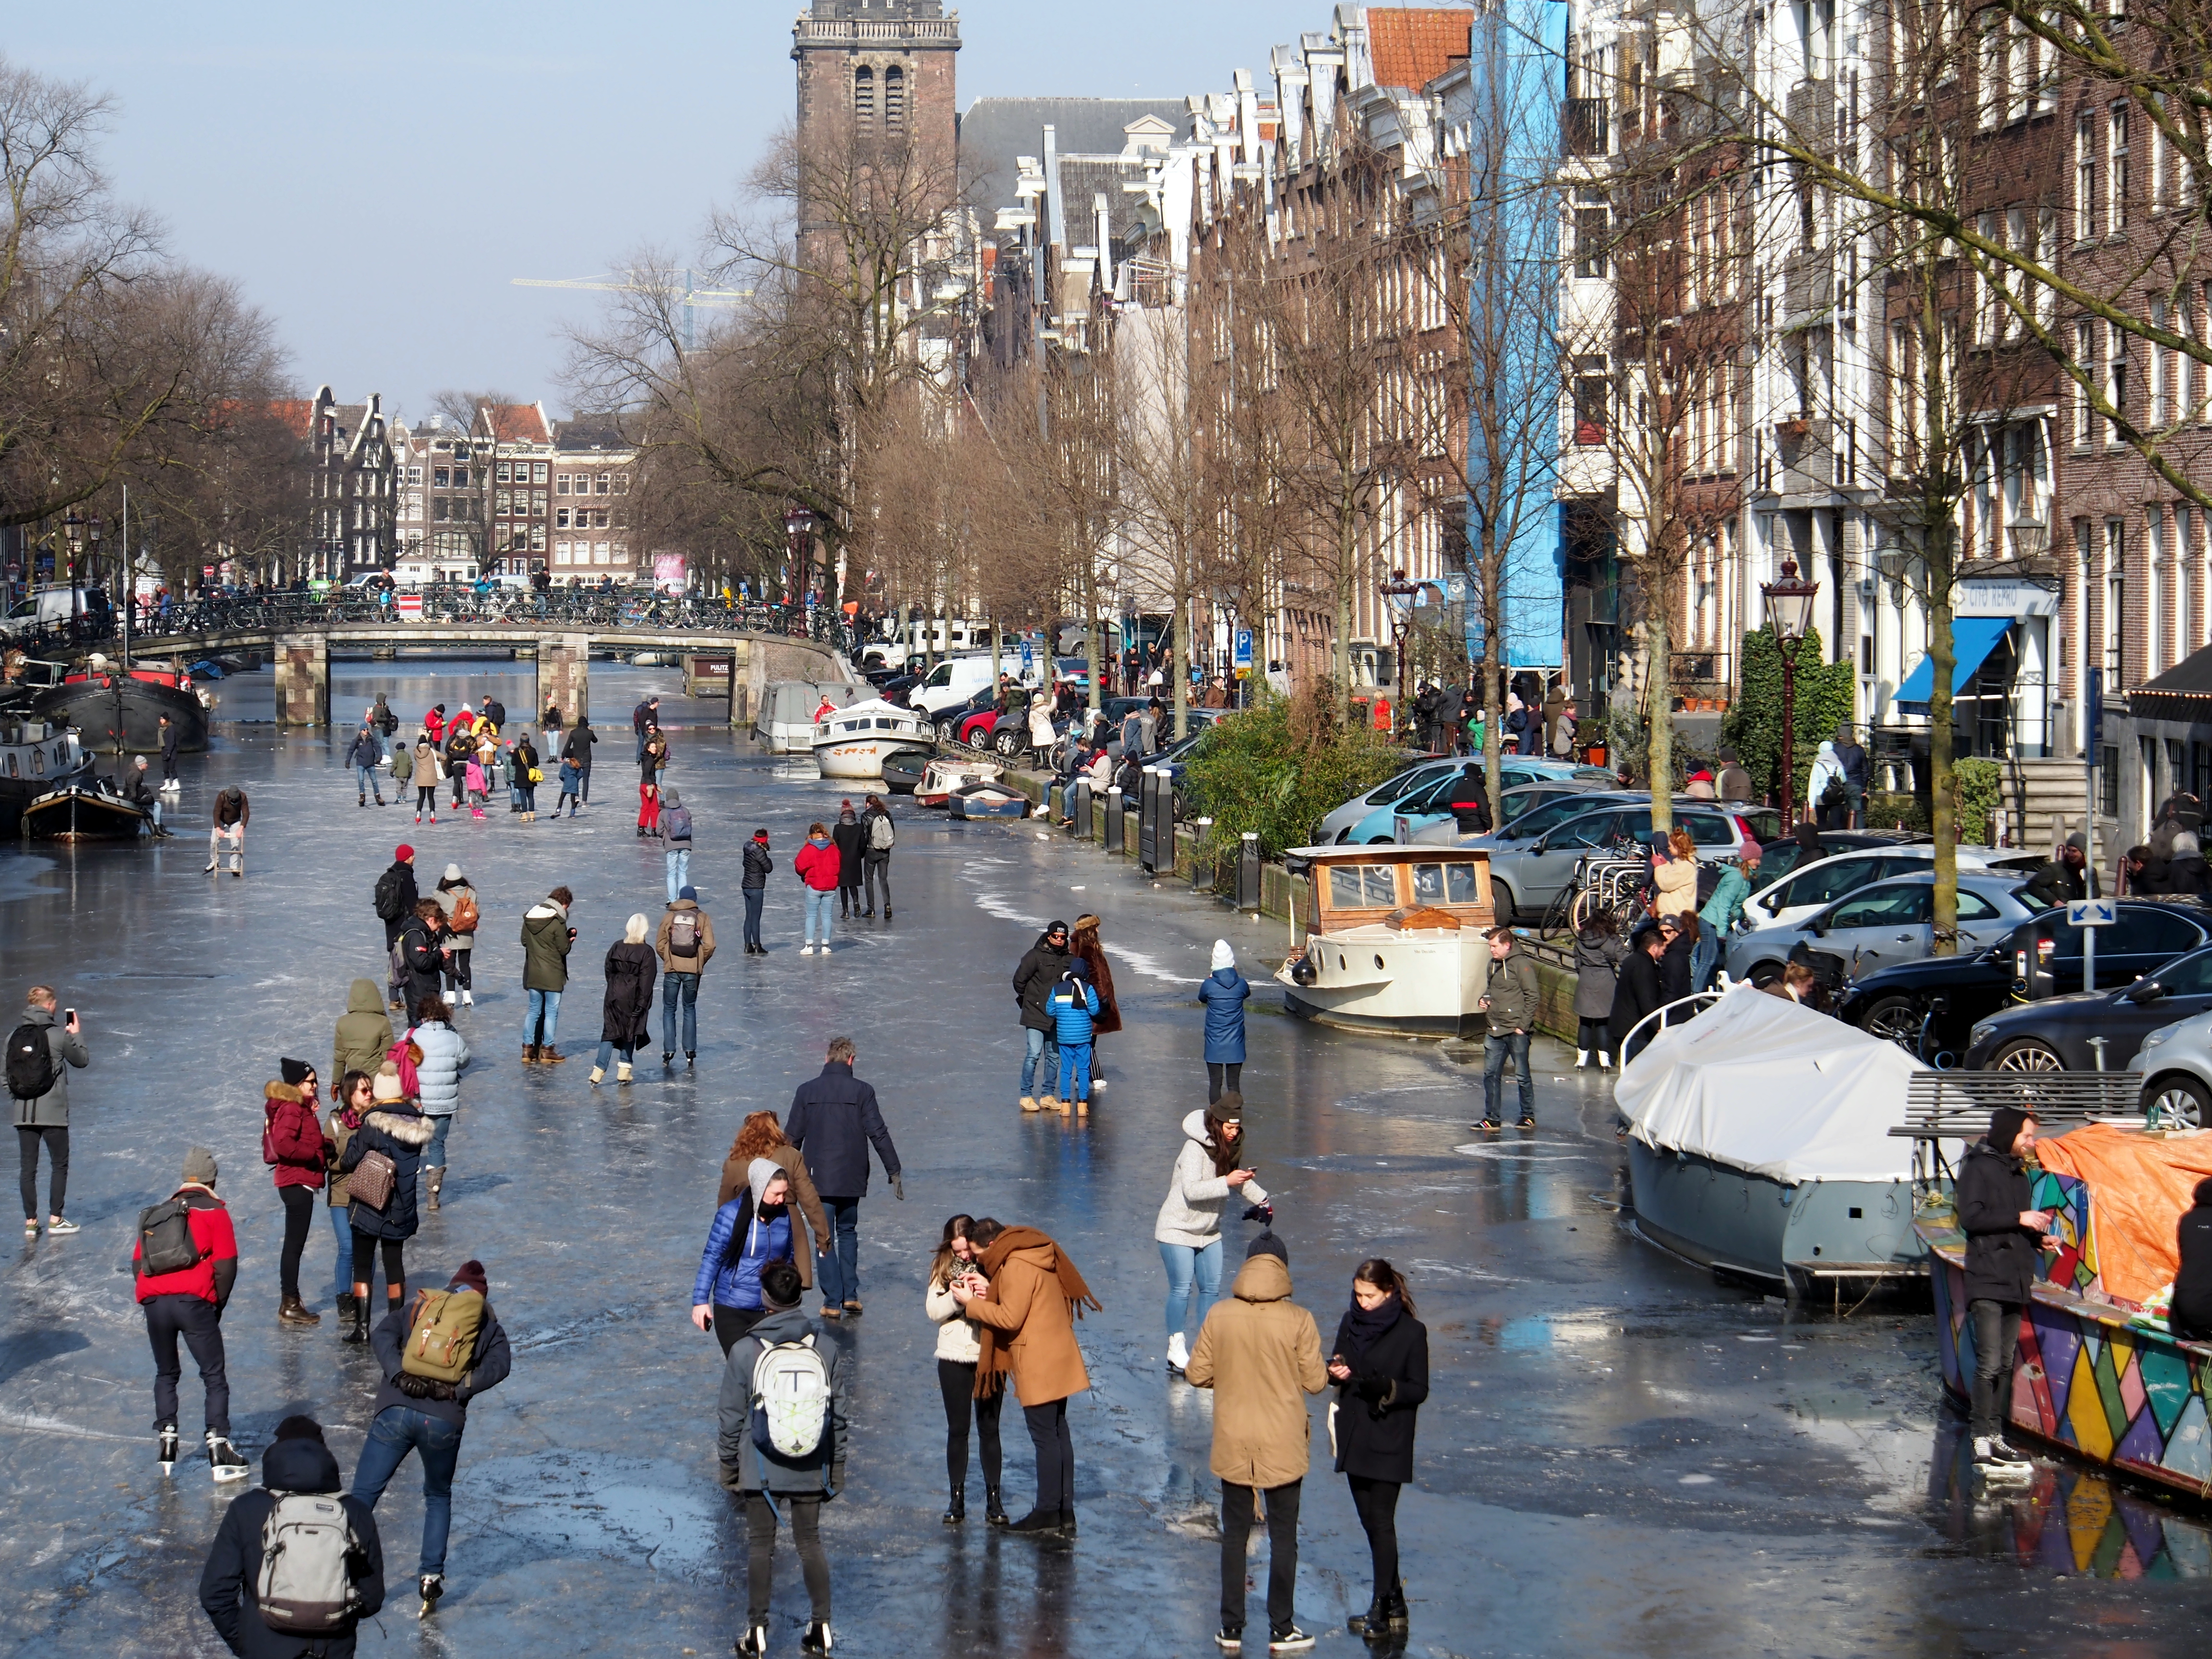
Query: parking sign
point(1241, 656)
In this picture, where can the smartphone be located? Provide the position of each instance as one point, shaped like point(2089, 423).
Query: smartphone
point(68, 1015)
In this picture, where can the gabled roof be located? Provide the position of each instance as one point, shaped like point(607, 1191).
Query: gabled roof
point(1411, 47)
point(514, 424)
point(297, 414)
point(994, 131)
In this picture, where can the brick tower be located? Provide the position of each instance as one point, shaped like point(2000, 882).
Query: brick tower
point(876, 73)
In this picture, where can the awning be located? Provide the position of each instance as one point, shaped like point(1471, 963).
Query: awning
point(1973, 638)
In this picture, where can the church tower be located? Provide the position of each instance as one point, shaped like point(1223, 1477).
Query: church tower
point(873, 71)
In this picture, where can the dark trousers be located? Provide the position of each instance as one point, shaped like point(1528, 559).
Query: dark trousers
point(426, 799)
point(1236, 1503)
point(1996, 1341)
point(299, 1221)
point(837, 1274)
point(195, 1319)
point(876, 867)
point(1494, 1050)
point(848, 899)
point(1055, 1455)
point(56, 1137)
point(1593, 1034)
point(754, 895)
point(1377, 1503)
point(957, 1383)
point(457, 970)
point(760, 1553)
point(364, 1264)
point(1223, 1075)
point(731, 1324)
point(683, 989)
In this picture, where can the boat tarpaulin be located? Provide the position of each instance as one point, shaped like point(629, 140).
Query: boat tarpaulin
point(2139, 1185)
point(1761, 1083)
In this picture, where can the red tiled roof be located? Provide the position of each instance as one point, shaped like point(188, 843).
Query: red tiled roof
point(1411, 47)
point(294, 412)
point(515, 423)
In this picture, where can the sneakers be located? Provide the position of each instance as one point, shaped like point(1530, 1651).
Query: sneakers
point(61, 1227)
point(806, 950)
point(817, 1639)
point(1490, 1125)
point(431, 1586)
point(223, 1459)
point(1994, 1457)
point(1178, 1354)
point(1526, 1123)
point(30, 1226)
point(166, 1449)
point(1229, 1638)
point(1292, 1640)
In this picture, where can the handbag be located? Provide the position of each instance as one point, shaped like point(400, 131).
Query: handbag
point(538, 775)
point(372, 1181)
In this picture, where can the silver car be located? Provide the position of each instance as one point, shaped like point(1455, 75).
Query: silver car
point(1527, 871)
point(1881, 926)
point(2175, 1065)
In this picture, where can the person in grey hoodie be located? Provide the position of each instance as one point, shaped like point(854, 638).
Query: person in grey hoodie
point(1207, 1172)
point(445, 1055)
point(45, 1119)
point(766, 1478)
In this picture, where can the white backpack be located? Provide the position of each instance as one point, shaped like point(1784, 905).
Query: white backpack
point(791, 1399)
point(883, 835)
point(305, 1586)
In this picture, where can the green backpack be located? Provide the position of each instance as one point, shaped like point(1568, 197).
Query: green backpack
point(442, 1334)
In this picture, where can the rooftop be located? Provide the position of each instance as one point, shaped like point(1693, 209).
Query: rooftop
point(1412, 46)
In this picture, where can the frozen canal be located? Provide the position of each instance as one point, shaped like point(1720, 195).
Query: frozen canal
point(1618, 1456)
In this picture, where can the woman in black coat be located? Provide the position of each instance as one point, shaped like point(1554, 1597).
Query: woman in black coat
point(1380, 1363)
point(1636, 992)
point(632, 967)
point(397, 1128)
point(1674, 966)
point(421, 959)
point(851, 838)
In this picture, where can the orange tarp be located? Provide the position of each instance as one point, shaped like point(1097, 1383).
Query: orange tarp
point(2138, 1186)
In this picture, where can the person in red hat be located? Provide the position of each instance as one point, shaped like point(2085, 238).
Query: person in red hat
point(395, 898)
point(1700, 786)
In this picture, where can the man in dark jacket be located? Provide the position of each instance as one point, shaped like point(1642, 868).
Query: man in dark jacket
point(876, 856)
point(642, 720)
point(1636, 992)
point(232, 812)
point(2004, 1237)
point(2065, 877)
point(44, 1120)
point(424, 1414)
point(1039, 971)
point(1853, 761)
point(168, 752)
point(753, 885)
point(297, 1461)
point(1509, 1000)
point(395, 898)
point(188, 1302)
point(1734, 783)
point(832, 1120)
point(367, 759)
point(577, 750)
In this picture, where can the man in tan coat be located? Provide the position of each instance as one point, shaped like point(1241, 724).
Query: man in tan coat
point(1261, 1355)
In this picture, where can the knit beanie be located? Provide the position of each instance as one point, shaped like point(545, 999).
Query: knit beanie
point(1268, 1244)
point(295, 1071)
point(386, 1085)
point(691, 893)
point(1229, 1109)
point(199, 1166)
point(402, 853)
point(472, 1275)
point(1223, 956)
point(300, 1427)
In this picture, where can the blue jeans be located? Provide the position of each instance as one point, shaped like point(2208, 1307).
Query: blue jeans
point(1040, 1043)
point(1494, 1050)
point(397, 1431)
point(818, 907)
point(549, 1004)
point(679, 871)
point(1188, 1264)
point(342, 1225)
point(683, 988)
point(608, 1051)
point(1704, 955)
point(838, 1274)
point(1075, 1068)
point(754, 896)
point(441, 1124)
point(366, 781)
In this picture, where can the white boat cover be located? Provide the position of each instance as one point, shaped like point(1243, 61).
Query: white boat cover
point(792, 703)
point(1758, 1083)
point(903, 721)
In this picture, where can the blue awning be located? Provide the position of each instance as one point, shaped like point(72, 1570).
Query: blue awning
point(1973, 638)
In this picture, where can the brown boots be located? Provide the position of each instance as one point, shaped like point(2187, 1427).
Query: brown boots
point(292, 1311)
point(529, 1054)
point(532, 1054)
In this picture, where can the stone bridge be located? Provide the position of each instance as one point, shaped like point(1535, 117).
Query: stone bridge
point(562, 650)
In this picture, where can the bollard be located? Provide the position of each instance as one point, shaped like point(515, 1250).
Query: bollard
point(1203, 877)
point(1148, 844)
point(1079, 808)
point(1113, 819)
point(1247, 874)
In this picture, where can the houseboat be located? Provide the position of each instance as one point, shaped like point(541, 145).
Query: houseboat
point(856, 740)
point(118, 711)
point(947, 774)
point(35, 759)
point(1395, 941)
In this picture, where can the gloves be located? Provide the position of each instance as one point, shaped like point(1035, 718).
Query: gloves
point(422, 1387)
point(899, 1185)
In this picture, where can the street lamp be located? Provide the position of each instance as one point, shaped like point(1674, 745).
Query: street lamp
point(1789, 604)
point(1401, 594)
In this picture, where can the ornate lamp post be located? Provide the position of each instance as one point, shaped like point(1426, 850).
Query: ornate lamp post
point(1401, 593)
point(1789, 604)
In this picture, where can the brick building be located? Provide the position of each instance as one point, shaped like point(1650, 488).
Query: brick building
point(592, 466)
point(353, 484)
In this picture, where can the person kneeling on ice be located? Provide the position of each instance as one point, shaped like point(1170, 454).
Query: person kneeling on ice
point(1074, 1005)
point(781, 1414)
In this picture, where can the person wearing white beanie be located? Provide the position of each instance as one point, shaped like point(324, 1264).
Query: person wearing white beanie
point(1225, 993)
point(459, 901)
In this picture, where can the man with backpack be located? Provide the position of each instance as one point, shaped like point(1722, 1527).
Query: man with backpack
point(686, 944)
point(395, 899)
point(876, 852)
point(676, 837)
point(295, 1567)
point(832, 1121)
point(187, 1262)
point(40, 1051)
point(435, 1358)
point(782, 1437)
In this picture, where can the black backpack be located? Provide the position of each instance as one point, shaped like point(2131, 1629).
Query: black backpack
point(166, 1244)
point(389, 905)
point(31, 1068)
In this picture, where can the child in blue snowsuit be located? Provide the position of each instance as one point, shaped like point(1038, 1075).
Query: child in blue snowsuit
point(1072, 1004)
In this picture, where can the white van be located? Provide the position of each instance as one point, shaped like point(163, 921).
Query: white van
point(953, 681)
point(53, 608)
point(950, 637)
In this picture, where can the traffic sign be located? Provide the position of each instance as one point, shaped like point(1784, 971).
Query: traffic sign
point(1241, 653)
point(2091, 913)
point(1029, 655)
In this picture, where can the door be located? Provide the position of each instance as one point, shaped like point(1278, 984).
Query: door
point(1880, 928)
point(1981, 924)
point(1824, 883)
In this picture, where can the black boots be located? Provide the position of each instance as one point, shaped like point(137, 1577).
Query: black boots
point(1039, 1520)
point(957, 1511)
point(995, 1508)
point(1386, 1616)
point(357, 1332)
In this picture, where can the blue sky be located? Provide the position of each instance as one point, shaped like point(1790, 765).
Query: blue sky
point(374, 176)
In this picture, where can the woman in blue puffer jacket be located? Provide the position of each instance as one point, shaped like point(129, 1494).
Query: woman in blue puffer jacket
point(750, 1232)
point(1225, 993)
point(438, 1079)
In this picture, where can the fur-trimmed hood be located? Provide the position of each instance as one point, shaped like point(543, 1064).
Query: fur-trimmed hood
point(283, 1091)
point(411, 1129)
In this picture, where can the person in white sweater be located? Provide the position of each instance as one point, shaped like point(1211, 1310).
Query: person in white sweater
point(959, 1351)
point(1207, 1172)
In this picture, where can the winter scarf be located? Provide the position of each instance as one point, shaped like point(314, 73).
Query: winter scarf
point(993, 1365)
point(1367, 1326)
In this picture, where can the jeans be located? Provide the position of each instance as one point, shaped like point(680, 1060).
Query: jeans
point(193, 1318)
point(760, 1554)
point(1224, 1074)
point(1038, 1044)
point(56, 1137)
point(754, 895)
point(1997, 1343)
point(956, 1382)
point(367, 781)
point(1055, 1455)
point(1377, 1503)
point(441, 1125)
point(547, 1003)
point(342, 1225)
point(1494, 1050)
point(1704, 955)
point(397, 1431)
point(675, 988)
point(679, 870)
point(1237, 1506)
point(817, 910)
point(609, 1050)
point(299, 1219)
point(1189, 1265)
point(157, 812)
point(876, 867)
point(838, 1274)
point(1075, 1069)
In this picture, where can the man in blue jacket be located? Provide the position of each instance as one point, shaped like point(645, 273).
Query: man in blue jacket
point(833, 1118)
point(1074, 1005)
point(298, 1462)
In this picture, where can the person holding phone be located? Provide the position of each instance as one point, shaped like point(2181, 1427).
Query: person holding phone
point(1214, 1162)
point(959, 1351)
point(39, 1052)
point(1380, 1364)
point(2004, 1237)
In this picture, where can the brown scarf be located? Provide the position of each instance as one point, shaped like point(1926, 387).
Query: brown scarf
point(995, 1362)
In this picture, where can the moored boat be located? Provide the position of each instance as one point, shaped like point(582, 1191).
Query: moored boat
point(1397, 938)
point(950, 772)
point(116, 712)
point(35, 759)
point(903, 770)
point(788, 711)
point(856, 740)
point(987, 800)
point(84, 811)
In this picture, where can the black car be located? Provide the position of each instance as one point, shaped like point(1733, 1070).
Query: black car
point(2061, 1033)
point(1932, 1006)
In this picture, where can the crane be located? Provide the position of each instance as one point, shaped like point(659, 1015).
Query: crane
point(604, 283)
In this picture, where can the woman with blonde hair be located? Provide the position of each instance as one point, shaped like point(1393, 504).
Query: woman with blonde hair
point(631, 968)
point(1674, 874)
point(959, 1351)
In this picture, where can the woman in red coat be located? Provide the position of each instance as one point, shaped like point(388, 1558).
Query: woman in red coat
point(292, 1144)
point(818, 866)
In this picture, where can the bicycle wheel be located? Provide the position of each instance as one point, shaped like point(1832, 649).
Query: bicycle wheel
point(1587, 904)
